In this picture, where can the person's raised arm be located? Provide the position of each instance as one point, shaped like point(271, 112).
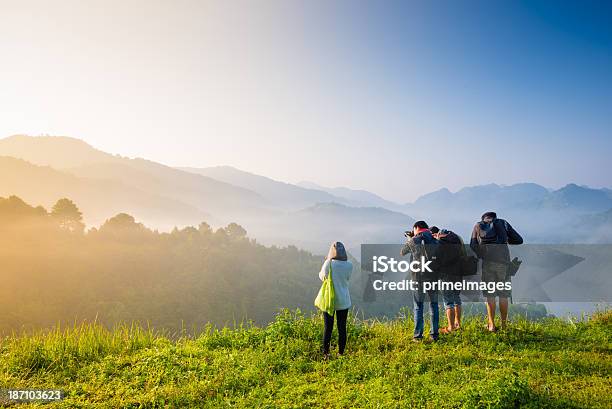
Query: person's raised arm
point(513, 236)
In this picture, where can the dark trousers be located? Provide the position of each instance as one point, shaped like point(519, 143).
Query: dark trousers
point(329, 326)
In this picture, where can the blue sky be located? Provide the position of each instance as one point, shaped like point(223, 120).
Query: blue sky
point(363, 94)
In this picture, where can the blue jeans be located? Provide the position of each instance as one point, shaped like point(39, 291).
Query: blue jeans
point(452, 298)
point(419, 322)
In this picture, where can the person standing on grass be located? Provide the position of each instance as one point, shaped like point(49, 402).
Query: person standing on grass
point(341, 270)
point(490, 239)
point(451, 252)
point(421, 243)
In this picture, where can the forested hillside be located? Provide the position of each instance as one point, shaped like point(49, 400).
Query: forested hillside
point(53, 270)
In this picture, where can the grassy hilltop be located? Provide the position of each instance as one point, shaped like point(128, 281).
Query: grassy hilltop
point(551, 363)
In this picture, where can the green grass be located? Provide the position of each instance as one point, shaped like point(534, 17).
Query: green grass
point(550, 363)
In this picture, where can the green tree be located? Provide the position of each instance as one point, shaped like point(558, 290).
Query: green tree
point(235, 231)
point(121, 222)
point(68, 216)
point(205, 229)
point(14, 209)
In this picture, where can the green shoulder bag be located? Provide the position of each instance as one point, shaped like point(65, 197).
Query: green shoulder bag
point(326, 299)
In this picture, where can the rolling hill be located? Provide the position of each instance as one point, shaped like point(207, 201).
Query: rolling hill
point(317, 226)
point(99, 199)
point(356, 197)
point(279, 194)
point(221, 201)
point(58, 152)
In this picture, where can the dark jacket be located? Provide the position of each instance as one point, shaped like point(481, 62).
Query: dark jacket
point(423, 244)
point(496, 249)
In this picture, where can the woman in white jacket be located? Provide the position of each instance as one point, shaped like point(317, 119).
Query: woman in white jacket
point(341, 273)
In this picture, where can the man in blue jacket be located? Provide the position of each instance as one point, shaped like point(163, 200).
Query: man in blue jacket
point(421, 243)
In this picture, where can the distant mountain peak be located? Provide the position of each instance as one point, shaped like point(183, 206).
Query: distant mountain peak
point(441, 191)
point(573, 186)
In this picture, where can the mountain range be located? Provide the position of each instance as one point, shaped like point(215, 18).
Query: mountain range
point(135, 185)
point(543, 215)
point(44, 169)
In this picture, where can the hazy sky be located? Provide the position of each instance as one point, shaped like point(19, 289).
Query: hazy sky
point(399, 98)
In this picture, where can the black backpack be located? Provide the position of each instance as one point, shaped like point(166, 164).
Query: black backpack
point(430, 252)
point(456, 256)
point(499, 231)
point(469, 266)
point(494, 232)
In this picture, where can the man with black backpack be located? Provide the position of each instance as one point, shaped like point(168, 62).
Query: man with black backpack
point(490, 239)
point(421, 243)
point(451, 252)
